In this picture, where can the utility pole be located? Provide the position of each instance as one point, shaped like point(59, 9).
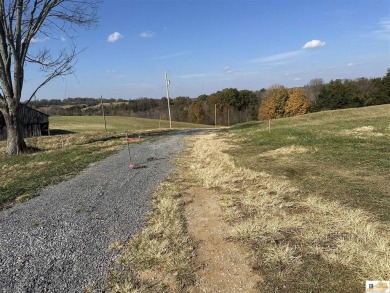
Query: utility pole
point(104, 115)
point(215, 115)
point(228, 116)
point(167, 82)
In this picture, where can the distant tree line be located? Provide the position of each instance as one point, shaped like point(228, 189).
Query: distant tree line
point(279, 101)
point(230, 106)
point(361, 92)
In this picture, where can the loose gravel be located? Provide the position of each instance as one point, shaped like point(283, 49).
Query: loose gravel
point(59, 241)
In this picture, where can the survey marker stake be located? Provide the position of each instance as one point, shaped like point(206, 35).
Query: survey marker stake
point(128, 139)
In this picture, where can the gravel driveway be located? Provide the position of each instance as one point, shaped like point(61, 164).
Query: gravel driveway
point(58, 242)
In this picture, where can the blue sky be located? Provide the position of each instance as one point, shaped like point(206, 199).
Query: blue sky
point(210, 45)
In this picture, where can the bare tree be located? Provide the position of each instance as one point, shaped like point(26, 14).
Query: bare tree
point(22, 23)
point(313, 88)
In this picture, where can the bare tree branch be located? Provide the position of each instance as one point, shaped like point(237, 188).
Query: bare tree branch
point(65, 69)
point(20, 22)
point(63, 65)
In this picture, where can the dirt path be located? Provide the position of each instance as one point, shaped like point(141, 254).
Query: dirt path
point(224, 262)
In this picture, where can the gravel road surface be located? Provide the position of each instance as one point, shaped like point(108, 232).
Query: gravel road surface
point(58, 241)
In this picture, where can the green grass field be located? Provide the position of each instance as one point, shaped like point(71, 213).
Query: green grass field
point(341, 155)
point(114, 123)
point(309, 198)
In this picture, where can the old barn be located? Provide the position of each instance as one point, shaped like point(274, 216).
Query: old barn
point(35, 123)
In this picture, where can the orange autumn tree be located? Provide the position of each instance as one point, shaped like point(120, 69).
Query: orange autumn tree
point(197, 113)
point(297, 103)
point(279, 102)
point(273, 103)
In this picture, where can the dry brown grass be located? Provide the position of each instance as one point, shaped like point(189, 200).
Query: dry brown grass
point(288, 151)
point(56, 142)
point(300, 242)
point(363, 132)
point(160, 257)
point(11, 171)
point(49, 144)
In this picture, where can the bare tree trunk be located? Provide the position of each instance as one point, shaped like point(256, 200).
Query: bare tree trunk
point(20, 22)
point(15, 140)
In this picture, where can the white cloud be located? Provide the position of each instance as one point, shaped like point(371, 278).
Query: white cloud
point(297, 79)
point(278, 57)
point(171, 55)
point(147, 34)
point(290, 54)
point(350, 64)
point(313, 44)
point(114, 37)
point(63, 39)
point(39, 40)
point(383, 33)
point(385, 24)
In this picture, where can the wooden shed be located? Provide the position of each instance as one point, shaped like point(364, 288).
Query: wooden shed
point(35, 123)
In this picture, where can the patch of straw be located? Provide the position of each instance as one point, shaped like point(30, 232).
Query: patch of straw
point(287, 151)
point(363, 132)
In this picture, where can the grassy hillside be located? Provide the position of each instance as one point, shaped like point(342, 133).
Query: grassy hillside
point(114, 123)
point(341, 155)
point(309, 199)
